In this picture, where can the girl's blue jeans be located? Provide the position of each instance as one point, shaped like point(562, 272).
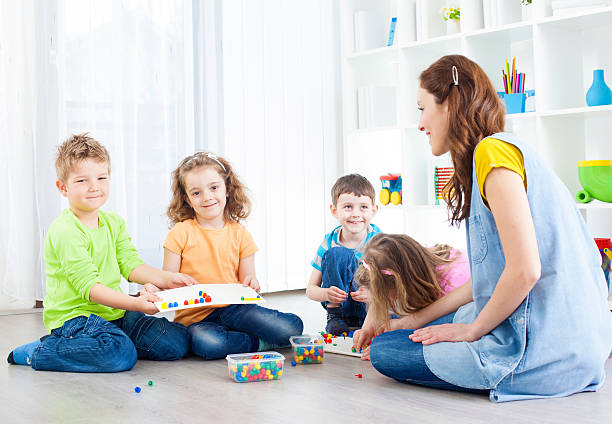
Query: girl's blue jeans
point(338, 266)
point(238, 329)
point(92, 344)
point(395, 355)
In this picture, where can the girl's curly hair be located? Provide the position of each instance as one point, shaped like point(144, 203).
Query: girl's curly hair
point(238, 205)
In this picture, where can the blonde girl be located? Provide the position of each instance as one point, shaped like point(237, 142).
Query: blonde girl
point(404, 277)
point(208, 242)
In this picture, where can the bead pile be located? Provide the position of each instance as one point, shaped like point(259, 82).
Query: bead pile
point(307, 350)
point(244, 368)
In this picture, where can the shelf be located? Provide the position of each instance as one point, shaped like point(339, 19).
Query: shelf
point(580, 22)
point(517, 116)
point(518, 31)
point(594, 205)
point(435, 40)
point(557, 54)
point(585, 111)
point(373, 52)
point(437, 208)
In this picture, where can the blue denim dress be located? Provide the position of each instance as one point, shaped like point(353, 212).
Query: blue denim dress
point(557, 341)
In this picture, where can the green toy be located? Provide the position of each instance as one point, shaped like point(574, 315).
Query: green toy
point(596, 179)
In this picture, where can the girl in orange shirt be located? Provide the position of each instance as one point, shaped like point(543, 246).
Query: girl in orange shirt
point(208, 242)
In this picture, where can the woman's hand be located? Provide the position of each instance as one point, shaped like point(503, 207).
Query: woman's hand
point(361, 295)
point(445, 333)
point(251, 281)
point(335, 295)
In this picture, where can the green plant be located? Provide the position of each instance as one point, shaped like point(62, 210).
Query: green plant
point(450, 13)
point(526, 2)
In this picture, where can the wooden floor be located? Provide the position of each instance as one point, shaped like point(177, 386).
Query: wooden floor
point(196, 391)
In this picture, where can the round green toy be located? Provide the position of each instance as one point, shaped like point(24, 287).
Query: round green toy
point(596, 179)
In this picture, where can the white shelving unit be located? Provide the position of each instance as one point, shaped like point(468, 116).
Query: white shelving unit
point(558, 55)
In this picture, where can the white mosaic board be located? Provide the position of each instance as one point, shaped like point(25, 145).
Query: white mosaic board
point(219, 294)
point(344, 346)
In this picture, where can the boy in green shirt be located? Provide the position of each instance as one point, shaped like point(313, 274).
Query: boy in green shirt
point(93, 325)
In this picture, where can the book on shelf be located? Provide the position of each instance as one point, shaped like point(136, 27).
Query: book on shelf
point(369, 30)
point(391, 38)
point(376, 106)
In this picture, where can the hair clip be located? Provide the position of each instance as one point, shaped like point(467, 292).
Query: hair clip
point(384, 271)
point(214, 157)
point(455, 73)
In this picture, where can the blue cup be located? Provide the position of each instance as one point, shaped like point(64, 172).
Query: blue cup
point(515, 102)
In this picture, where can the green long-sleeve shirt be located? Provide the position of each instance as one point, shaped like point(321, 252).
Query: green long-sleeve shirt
point(76, 258)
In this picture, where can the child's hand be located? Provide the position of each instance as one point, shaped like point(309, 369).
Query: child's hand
point(334, 295)
point(176, 279)
point(251, 281)
point(365, 353)
point(362, 338)
point(149, 288)
point(145, 303)
point(391, 325)
point(362, 295)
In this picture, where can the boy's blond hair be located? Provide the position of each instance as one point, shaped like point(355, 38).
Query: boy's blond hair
point(75, 149)
point(352, 184)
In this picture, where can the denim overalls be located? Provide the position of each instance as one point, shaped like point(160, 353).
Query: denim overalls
point(557, 341)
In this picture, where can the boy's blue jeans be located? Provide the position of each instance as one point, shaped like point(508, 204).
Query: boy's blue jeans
point(338, 266)
point(395, 355)
point(92, 344)
point(238, 329)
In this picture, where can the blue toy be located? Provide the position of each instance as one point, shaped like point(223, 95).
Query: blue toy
point(391, 189)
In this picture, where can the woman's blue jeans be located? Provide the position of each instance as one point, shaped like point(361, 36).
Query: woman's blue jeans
point(395, 355)
point(338, 266)
point(92, 344)
point(238, 329)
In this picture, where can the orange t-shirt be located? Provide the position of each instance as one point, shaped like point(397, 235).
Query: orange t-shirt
point(210, 256)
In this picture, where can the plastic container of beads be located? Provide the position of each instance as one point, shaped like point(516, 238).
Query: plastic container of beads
point(307, 349)
point(256, 366)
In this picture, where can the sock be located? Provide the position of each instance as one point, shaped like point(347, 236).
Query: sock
point(22, 355)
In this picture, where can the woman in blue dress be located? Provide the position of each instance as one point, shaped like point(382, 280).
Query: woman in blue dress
point(534, 321)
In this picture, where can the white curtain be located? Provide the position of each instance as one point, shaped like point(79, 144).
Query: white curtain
point(19, 214)
point(131, 73)
point(255, 81)
point(282, 125)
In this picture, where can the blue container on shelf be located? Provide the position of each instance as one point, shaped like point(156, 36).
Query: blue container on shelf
point(599, 93)
point(515, 102)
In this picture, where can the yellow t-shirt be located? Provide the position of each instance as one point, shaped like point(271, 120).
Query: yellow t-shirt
point(210, 256)
point(493, 153)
